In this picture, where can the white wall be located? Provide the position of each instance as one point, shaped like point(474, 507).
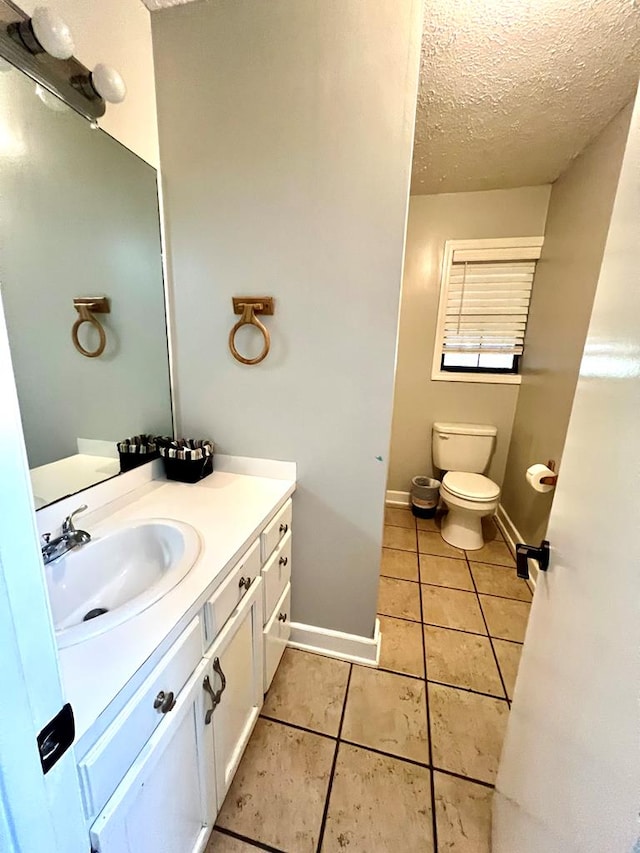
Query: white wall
point(419, 400)
point(117, 32)
point(285, 137)
point(563, 292)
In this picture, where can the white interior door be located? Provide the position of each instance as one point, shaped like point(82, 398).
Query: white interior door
point(569, 778)
point(37, 812)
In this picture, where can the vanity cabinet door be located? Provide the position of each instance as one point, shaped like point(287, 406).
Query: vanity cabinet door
point(234, 669)
point(166, 802)
point(276, 636)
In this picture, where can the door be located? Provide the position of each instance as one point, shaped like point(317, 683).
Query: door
point(234, 669)
point(165, 801)
point(32, 692)
point(569, 779)
point(276, 636)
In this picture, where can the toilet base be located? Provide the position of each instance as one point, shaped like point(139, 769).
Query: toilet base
point(463, 529)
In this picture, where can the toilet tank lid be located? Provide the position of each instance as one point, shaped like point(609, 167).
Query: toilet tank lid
point(464, 429)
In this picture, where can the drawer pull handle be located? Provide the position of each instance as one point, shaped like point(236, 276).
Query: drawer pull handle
point(206, 686)
point(283, 561)
point(164, 702)
point(215, 695)
point(245, 582)
point(282, 617)
point(283, 529)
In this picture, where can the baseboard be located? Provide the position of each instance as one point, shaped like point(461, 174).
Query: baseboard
point(334, 644)
point(397, 498)
point(512, 536)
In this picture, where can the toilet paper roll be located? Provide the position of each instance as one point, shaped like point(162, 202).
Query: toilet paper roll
point(534, 477)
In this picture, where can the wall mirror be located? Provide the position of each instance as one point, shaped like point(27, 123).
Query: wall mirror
point(79, 218)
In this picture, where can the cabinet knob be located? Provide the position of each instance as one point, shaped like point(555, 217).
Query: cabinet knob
point(164, 702)
point(282, 617)
point(283, 561)
point(244, 582)
point(284, 528)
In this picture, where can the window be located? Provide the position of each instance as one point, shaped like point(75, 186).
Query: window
point(484, 304)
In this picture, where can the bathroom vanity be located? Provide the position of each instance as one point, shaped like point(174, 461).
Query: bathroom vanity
point(166, 701)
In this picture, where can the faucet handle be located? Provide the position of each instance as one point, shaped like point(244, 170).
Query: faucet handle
point(67, 524)
point(44, 539)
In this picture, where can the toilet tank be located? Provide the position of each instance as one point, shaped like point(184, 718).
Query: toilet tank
point(462, 447)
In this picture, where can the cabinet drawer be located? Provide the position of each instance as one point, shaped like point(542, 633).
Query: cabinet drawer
point(276, 574)
point(106, 763)
point(275, 531)
point(225, 599)
point(276, 636)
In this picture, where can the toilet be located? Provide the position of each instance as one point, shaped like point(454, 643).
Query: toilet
point(464, 451)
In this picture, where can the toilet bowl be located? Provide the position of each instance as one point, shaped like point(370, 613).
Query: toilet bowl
point(469, 498)
point(464, 452)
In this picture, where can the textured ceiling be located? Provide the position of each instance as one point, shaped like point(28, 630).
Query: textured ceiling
point(512, 90)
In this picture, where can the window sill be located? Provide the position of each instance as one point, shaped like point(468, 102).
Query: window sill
point(485, 378)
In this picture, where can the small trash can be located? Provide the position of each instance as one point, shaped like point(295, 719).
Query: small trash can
point(425, 496)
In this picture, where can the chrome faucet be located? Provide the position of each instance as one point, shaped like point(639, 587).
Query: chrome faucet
point(70, 538)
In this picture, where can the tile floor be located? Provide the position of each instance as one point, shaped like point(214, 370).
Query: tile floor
point(351, 758)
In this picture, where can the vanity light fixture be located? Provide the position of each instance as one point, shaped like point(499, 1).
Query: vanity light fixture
point(46, 32)
point(41, 45)
point(104, 82)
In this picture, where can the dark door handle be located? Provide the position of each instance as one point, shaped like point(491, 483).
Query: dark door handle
point(523, 552)
point(215, 695)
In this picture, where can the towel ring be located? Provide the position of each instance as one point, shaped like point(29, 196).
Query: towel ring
point(86, 306)
point(248, 308)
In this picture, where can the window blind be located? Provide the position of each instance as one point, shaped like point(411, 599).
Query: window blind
point(487, 298)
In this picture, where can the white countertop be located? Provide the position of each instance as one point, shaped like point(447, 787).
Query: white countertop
point(67, 476)
point(228, 511)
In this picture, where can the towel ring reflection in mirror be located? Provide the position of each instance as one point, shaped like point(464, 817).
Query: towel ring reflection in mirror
point(248, 307)
point(87, 306)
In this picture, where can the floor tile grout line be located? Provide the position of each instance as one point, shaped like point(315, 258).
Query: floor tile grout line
point(325, 811)
point(413, 761)
point(466, 690)
point(399, 672)
point(457, 588)
point(449, 628)
point(298, 727)
point(462, 776)
point(434, 823)
point(259, 845)
point(486, 625)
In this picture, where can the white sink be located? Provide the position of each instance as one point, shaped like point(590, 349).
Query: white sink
point(123, 570)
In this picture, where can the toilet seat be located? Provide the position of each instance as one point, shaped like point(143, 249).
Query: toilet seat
point(470, 487)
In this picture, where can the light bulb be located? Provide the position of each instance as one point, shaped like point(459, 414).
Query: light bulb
point(108, 83)
point(52, 33)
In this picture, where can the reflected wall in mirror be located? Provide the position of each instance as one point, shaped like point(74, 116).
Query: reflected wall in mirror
point(79, 217)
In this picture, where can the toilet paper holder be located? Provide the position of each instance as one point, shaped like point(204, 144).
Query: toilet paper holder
point(550, 480)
